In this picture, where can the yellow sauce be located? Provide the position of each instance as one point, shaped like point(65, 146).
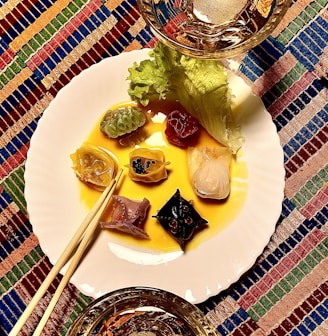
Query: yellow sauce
point(218, 213)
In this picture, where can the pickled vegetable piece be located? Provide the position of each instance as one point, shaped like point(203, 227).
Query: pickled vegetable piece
point(147, 165)
point(182, 129)
point(122, 120)
point(94, 166)
point(180, 219)
point(210, 171)
point(128, 216)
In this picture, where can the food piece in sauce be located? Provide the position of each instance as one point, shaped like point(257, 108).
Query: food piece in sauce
point(128, 216)
point(210, 171)
point(180, 219)
point(94, 166)
point(147, 165)
point(122, 120)
point(182, 129)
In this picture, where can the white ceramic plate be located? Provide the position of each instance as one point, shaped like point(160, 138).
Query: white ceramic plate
point(56, 211)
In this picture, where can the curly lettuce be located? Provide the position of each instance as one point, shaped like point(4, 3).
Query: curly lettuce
point(199, 85)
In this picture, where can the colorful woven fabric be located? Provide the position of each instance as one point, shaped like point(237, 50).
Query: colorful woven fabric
point(45, 43)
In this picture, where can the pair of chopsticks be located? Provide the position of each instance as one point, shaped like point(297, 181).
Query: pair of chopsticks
point(74, 250)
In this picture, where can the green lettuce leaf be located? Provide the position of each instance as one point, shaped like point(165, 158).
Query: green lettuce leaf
point(199, 85)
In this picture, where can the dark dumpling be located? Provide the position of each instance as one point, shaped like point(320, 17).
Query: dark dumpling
point(180, 219)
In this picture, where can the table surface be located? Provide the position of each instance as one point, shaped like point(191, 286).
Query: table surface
point(45, 43)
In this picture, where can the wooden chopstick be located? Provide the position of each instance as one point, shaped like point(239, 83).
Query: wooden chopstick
point(86, 230)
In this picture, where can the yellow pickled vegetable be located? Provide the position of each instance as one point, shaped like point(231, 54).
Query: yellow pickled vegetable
point(94, 166)
point(147, 165)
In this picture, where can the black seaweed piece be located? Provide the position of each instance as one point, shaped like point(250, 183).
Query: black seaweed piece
point(180, 219)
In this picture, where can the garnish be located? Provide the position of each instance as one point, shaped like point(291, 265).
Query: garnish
point(200, 86)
